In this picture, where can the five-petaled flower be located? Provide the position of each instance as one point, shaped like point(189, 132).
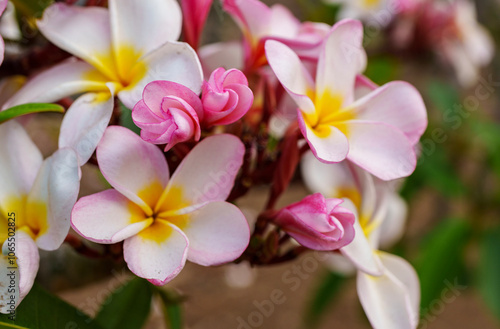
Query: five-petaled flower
point(165, 221)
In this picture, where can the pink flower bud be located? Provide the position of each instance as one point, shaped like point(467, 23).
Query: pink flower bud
point(169, 113)
point(226, 97)
point(318, 223)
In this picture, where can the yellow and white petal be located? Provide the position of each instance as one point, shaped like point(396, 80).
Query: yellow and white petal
point(139, 27)
point(66, 79)
point(173, 61)
point(393, 225)
point(108, 217)
point(20, 161)
point(85, 123)
point(84, 32)
point(52, 197)
point(208, 171)
point(135, 168)
point(158, 253)
point(391, 301)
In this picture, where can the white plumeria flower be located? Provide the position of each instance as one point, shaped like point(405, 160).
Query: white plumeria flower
point(387, 285)
point(36, 196)
point(164, 221)
point(121, 50)
point(381, 11)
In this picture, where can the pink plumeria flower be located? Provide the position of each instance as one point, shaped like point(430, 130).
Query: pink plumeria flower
point(318, 223)
point(3, 5)
point(378, 131)
point(36, 197)
point(164, 221)
point(259, 23)
point(195, 14)
point(121, 50)
point(168, 113)
point(387, 285)
point(226, 97)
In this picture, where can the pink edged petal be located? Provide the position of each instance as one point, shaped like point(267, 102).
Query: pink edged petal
point(28, 260)
point(195, 13)
point(84, 124)
point(144, 25)
point(253, 16)
point(52, 197)
point(132, 166)
point(282, 23)
point(222, 54)
point(82, 31)
point(359, 251)
point(3, 5)
point(108, 217)
point(218, 233)
point(363, 86)
point(244, 98)
point(158, 253)
point(174, 61)
point(391, 300)
point(20, 161)
point(398, 104)
point(5, 282)
point(68, 78)
point(2, 50)
point(291, 73)
point(380, 149)
point(207, 173)
point(338, 263)
point(331, 148)
point(341, 59)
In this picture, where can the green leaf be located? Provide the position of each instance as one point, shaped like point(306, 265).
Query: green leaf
point(126, 119)
point(42, 310)
point(31, 8)
point(24, 109)
point(441, 264)
point(127, 307)
point(172, 308)
point(382, 69)
point(323, 297)
point(489, 270)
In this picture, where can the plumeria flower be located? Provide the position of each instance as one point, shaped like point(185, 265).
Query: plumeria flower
point(165, 221)
point(195, 14)
point(380, 11)
point(120, 51)
point(259, 23)
point(387, 285)
point(3, 5)
point(36, 197)
point(168, 113)
point(377, 131)
point(317, 222)
point(226, 97)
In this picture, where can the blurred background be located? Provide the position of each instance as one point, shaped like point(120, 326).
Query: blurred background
point(452, 234)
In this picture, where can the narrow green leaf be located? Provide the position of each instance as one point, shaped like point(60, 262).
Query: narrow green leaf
point(24, 109)
point(127, 307)
point(42, 310)
point(323, 297)
point(172, 308)
point(31, 8)
point(441, 264)
point(489, 270)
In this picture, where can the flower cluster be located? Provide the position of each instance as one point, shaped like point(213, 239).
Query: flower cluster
point(205, 113)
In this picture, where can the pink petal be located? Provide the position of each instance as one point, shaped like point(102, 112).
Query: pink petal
point(144, 25)
point(331, 148)
point(84, 124)
point(195, 13)
point(252, 16)
point(28, 260)
point(222, 54)
point(20, 161)
point(380, 149)
point(218, 233)
point(158, 253)
point(291, 73)
point(68, 78)
point(56, 188)
point(208, 171)
point(393, 225)
point(107, 217)
point(81, 31)
point(398, 104)
point(363, 86)
point(173, 61)
point(135, 168)
point(342, 58)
